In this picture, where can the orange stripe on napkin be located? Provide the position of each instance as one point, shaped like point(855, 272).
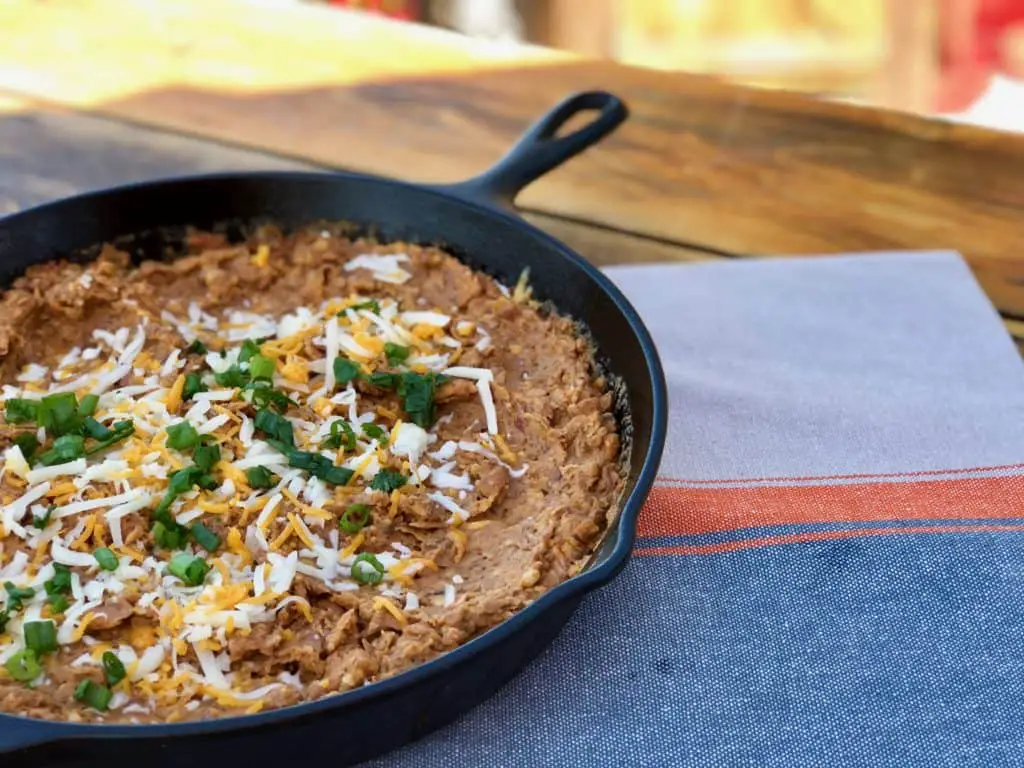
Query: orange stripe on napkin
point(676, 511)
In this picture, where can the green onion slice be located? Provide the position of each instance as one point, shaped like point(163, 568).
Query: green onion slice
point(193, 386)
point(367, 569)
point(64, 449)
point(24, 666)
point(345, 370)
point(395, 353)
point(182, 436)
point(113, 668)
point(354, 518)
point(260, 477)
point(388, 480)
point(206, 457)
point(93, 695)
point(19, 410)
point(87, 405)
point(261, 367)
point(40, 637)
point(17, 595)
point(373, 431)
point(190, 569)
point(106, 559)
point(204, 537)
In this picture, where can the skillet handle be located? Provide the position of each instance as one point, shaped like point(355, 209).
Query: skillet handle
point(538, 150)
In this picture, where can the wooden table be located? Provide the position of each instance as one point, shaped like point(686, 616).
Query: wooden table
point(702, 170)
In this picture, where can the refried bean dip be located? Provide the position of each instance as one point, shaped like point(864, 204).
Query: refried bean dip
point(267, 472)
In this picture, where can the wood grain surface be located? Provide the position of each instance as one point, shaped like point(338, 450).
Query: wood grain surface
point(701, 168)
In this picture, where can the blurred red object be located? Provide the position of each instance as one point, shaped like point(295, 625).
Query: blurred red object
point(407, 10)
point(978, 39)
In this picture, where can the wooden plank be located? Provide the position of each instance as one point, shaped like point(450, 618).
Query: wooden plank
point(740, 171)
point(46, 154)
point(701, 163)
point(605, 247)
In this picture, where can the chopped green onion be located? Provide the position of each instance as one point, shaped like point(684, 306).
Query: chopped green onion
point(342, 436)
point(87, 405)
point(190, 569)
point(64, 449)
point(5, 616)
point(417, 392)
point(169, 536)
point(373, 431)
point(384, 380)
point(20, 410)
point(121, 431)
point(61, 581)
point(354, 518)
point(206, 457)
point(58, 603)
point(17, 595)
point(24, 666)
point(320, 466)
point(182, 481)
point(106, 559)
point(113, 668)
point(367, 569)
point(59, 413)
point(395, 353)
point(193, 386)
point(345, 370)
point(277, 427)
point(232, 377)
point(337, 475)
point(388, 480)
point(95, 430)
point(41, 521)
point(204, 537)
point(28, 443)
point(41, 636)
point(182, 436)
point(196, 348)
point(179, 482)
point(262, 395)
point(261, 367)
point(93, 695)
point(249, 349)
point(260, 477)
point(348, 436)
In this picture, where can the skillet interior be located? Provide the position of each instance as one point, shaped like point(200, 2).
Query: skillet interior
point(496, 242)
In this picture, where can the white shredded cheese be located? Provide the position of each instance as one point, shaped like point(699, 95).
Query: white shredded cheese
point(384, 267)
point(435, 319)
point(40, 474)
point(483, 387)
point(332, 338)
point(410, 441)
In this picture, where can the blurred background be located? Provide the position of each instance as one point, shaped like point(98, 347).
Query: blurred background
point(960, 58)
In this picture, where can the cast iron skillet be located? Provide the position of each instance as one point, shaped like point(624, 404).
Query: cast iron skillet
point(475, 221)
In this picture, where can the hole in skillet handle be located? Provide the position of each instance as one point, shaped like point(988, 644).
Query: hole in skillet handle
point(540, 149)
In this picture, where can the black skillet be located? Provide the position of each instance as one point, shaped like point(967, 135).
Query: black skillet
point(476, 222)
